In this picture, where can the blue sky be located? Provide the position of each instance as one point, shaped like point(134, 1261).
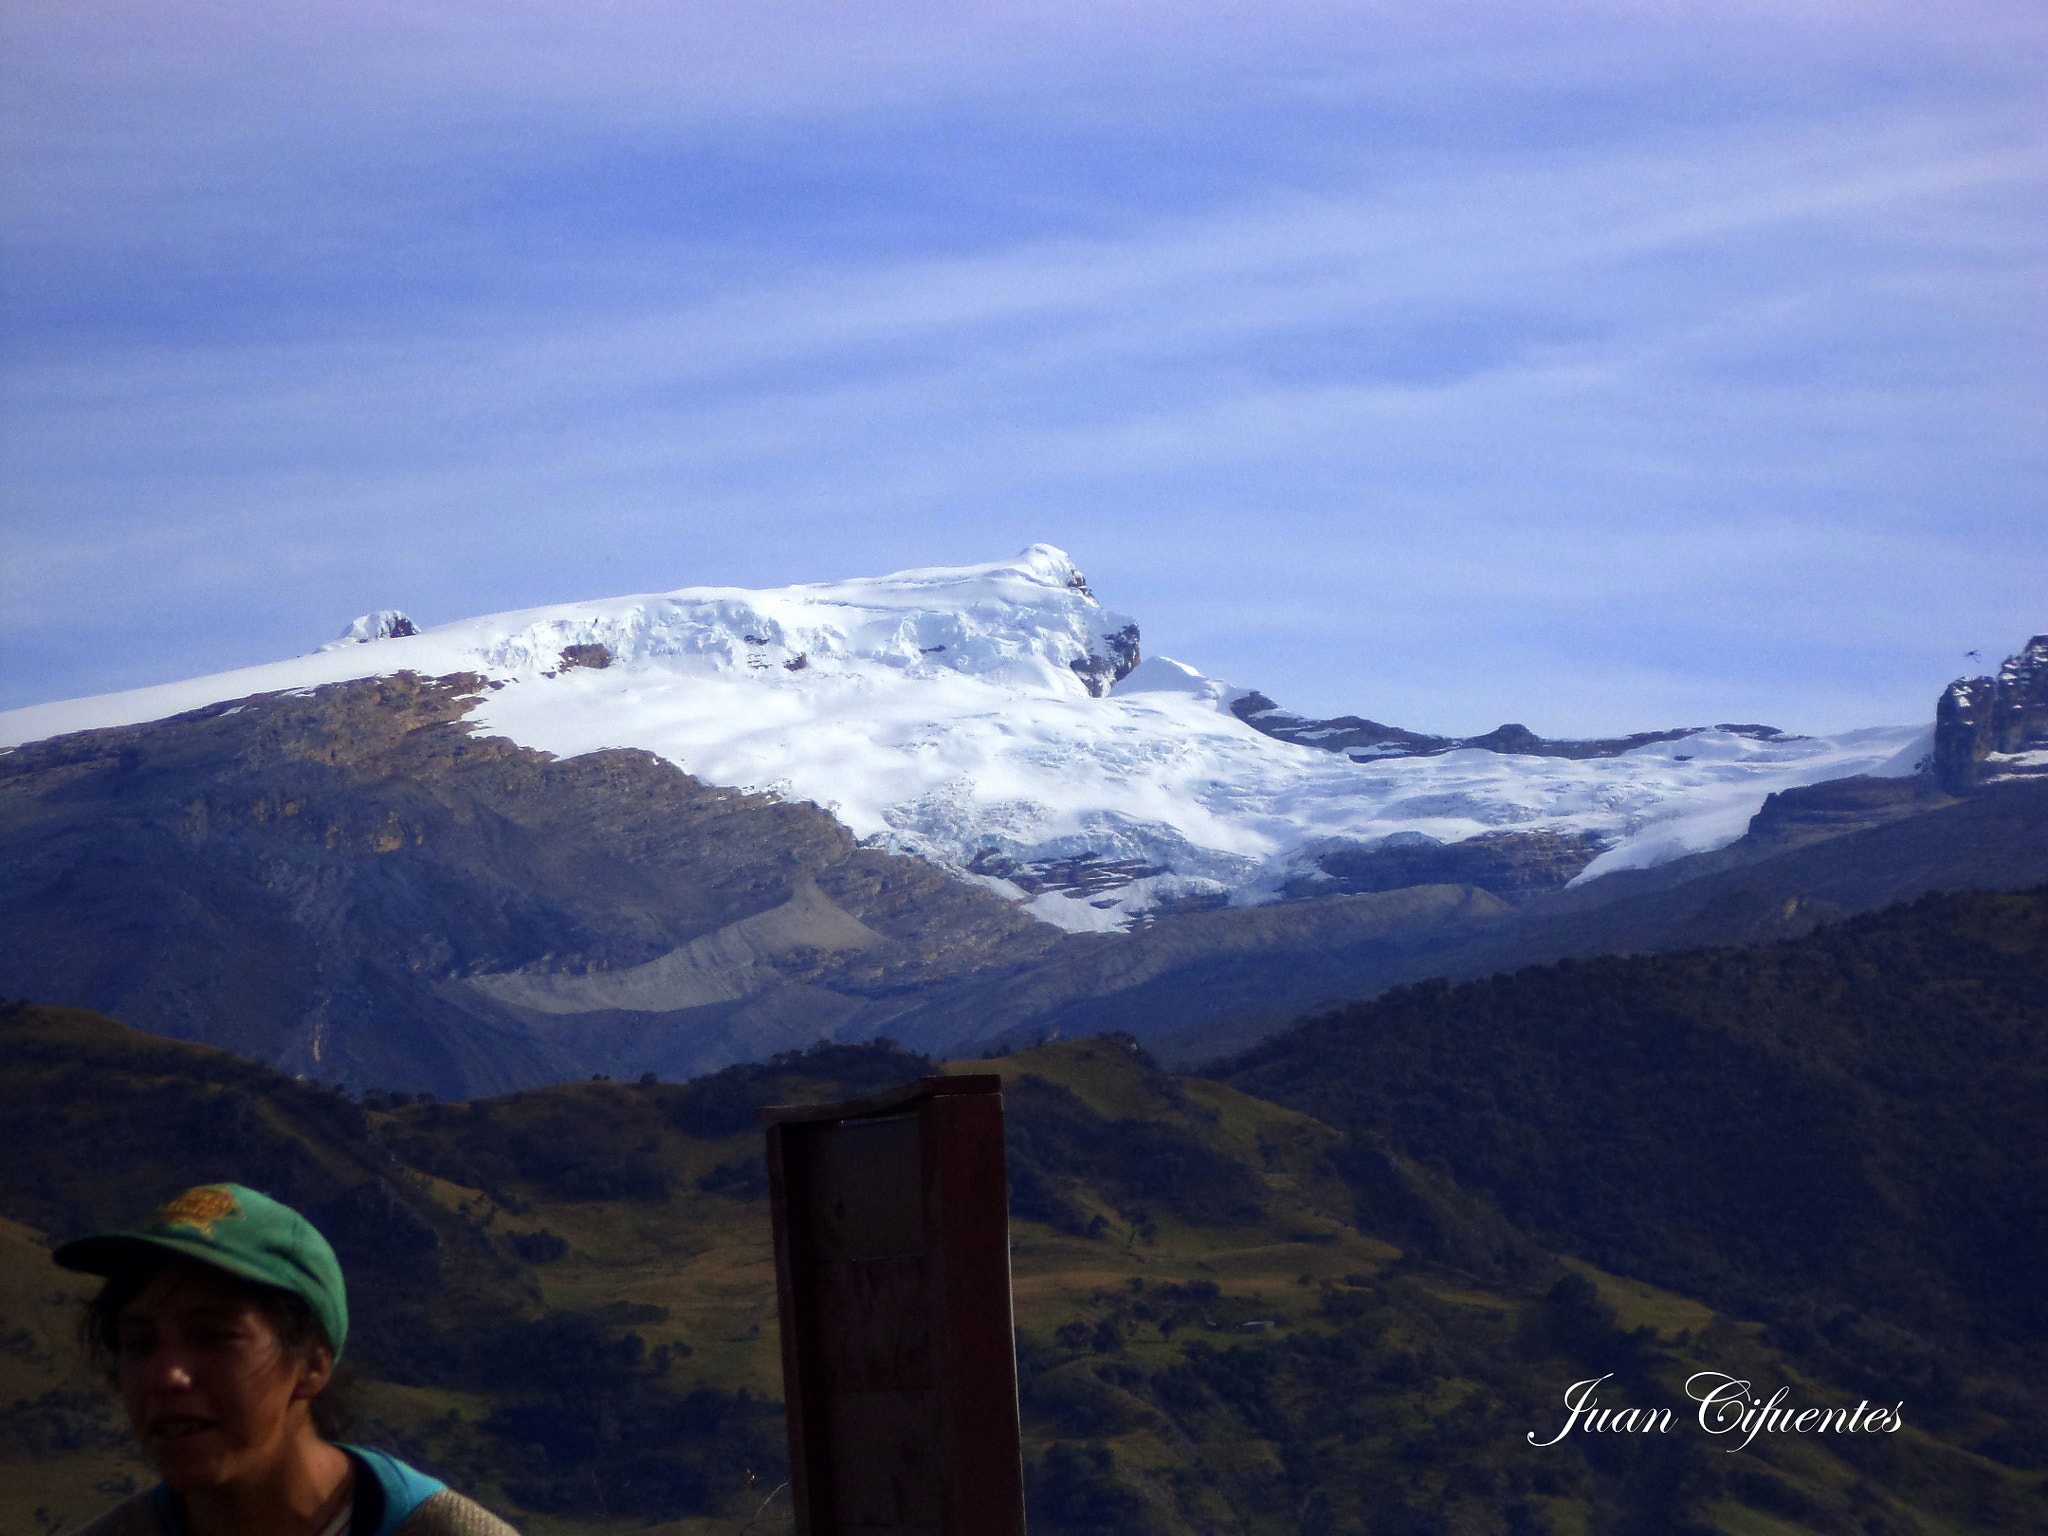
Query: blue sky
point(1594, 366)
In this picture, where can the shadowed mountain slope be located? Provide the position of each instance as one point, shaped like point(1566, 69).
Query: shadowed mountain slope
point(352, 885)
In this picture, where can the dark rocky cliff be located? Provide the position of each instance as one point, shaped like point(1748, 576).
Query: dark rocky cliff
point(1365, 741)
point(1986, 727)
point(1102, 673)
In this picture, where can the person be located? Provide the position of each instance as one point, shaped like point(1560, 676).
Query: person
point(224, 1319)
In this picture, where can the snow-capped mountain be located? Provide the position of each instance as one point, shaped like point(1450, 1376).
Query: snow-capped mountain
point(998, 721)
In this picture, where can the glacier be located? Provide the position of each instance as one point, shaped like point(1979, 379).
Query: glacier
point(996, 718)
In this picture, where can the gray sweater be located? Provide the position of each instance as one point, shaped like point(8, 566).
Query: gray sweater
point(398, 1499)
point(446, 1513)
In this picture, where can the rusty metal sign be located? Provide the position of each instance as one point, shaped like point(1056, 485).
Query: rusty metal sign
point(892, 1264)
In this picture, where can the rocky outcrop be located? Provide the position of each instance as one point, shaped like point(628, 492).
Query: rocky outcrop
point(1102, 673)
point(1366, 741)
point(1988, 728)
point(596, 657)
point(1363, 739)
point(1813, 813)
point(1514, 866)
point(385, 624)
point(1082, 876)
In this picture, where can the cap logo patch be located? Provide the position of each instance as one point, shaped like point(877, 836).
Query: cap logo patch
point(199, 1208)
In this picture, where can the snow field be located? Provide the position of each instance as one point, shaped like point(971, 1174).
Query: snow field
point(936, 712)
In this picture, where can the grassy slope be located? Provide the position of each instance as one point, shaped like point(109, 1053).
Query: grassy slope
point(1378, 1393)
point(1843, 1131)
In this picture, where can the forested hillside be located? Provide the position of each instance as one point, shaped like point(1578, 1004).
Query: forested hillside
point(566, 1303)
point(1843, 1134)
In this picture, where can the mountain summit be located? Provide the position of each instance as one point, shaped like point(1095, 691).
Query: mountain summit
point(998, 721)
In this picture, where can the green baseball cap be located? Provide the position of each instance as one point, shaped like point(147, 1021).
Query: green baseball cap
point(235, 1229)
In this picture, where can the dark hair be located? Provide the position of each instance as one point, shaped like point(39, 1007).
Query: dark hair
point(298, 1330)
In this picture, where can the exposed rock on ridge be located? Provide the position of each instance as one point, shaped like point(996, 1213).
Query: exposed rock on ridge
point(1989, 728)
point(1367, 741)
point(1102, 673)
point(1813, 813)
point(1515, 866)
point(384, 624)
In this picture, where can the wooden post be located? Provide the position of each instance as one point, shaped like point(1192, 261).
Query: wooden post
point(892, 1266)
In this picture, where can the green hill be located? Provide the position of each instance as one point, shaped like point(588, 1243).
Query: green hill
point(1841, 1134)
point(566, 1306)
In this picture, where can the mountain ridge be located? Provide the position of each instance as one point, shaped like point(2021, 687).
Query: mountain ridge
point(372, 879)
point(315, 879)
point(999, 722)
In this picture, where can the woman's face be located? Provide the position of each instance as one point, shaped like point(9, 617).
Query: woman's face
point(211, 1390)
